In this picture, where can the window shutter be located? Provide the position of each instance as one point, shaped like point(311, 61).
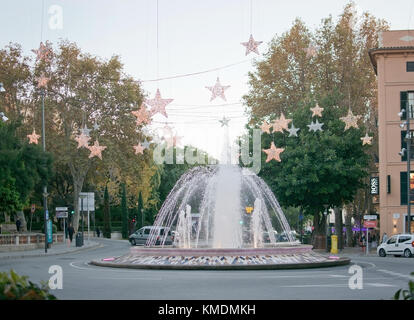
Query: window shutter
point(403, 103)
point(403, 188)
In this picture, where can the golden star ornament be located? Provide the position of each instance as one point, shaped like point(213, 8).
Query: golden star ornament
point(273, 153)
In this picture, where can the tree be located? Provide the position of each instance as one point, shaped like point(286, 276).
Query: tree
point(124, 209)
point(107, 216)
point(140, 209)
point(290, 76)
point(317, 168)
point(24, 168)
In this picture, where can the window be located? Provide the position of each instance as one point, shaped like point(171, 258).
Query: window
point(407, 99)
point(403, 187)
point(410, 66)
point(147, 231)
point(404, 239)
point(404, 144)
point(392, 240)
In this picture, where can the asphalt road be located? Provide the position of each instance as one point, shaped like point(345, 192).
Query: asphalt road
point(381, 278)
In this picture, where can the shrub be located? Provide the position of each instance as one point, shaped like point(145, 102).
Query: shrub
point(406, 294)
point(15, 287)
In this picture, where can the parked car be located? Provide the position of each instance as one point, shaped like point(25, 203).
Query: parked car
point(141, 236)
point(398, 245)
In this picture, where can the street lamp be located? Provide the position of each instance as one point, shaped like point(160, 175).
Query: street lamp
point(408, 139)
point(327, 224)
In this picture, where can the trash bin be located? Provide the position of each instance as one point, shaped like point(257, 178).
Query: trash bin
point(334, 244)
point(79, 239)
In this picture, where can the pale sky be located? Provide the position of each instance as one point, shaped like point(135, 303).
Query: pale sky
point(193, 36)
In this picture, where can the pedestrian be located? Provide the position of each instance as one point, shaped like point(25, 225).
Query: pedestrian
point(98, 232)
point(384, 237)
point(71, 231)
point(18, 224)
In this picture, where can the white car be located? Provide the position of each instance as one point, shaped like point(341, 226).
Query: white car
point(398, 245)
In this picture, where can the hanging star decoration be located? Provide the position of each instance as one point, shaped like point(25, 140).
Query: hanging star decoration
point(350, 120)
point(251, 45)
point(96, 150)
point(315, 126)
point(167, 130)
point(33, 138)
point(273, 153)
point(42, 81)
point(96, 126)
point(158, 104)
point(311, 51)
point(146, 144)
point(316, 111)
point(143, 115)
point(85, 131)
point(173, 141)
point(366, 140)
point(43, 53)
point(218, 90)
point(293, 132)
point(281, 123)
point(82, 140)
point(265, 127)
point(139, 148)
point(224, 122)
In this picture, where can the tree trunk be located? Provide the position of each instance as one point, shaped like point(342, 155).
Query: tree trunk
point(318, 234)
point(338, 226)
point(348, 226)
point(23, 224)
point(6, 218)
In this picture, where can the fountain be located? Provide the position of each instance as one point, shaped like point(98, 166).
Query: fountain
point(224, 217)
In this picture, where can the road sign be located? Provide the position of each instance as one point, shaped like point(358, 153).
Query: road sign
point(33, 208)
point(370, 217)
point(61, 212)
point(88, 201)
point(370, 224)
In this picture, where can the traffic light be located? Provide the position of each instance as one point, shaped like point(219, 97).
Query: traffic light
point(72, 212)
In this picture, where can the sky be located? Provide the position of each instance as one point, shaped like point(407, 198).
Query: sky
point(191, 36)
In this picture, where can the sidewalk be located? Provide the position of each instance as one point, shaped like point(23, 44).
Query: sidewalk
point(350, 251)
point(56, 249)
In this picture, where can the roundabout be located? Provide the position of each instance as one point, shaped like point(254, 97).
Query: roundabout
point(275, 257)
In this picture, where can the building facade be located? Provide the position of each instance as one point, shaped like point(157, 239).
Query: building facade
point(393, 62)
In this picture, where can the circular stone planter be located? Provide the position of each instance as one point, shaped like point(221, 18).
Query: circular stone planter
point(277, 257)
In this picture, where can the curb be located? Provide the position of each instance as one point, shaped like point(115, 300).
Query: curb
point(94, 246)
point(340, 262)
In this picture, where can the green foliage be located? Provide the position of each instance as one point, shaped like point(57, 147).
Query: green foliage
point(124, 212)
point(317, 168)
point(406, 294)
point(15, 287)
point(107, 216)
point(24, 168)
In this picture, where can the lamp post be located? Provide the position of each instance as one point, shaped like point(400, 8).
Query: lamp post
point(45, 194)
point(327, 224)
point(407, 150)
point(82, 197)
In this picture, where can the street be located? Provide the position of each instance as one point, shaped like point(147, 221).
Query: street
point(382, 277)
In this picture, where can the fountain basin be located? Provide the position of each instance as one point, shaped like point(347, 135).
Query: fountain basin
point(276, 257)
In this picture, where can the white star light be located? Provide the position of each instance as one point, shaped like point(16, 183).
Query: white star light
point(293, 132)
point(224, 122)
point(315, 126)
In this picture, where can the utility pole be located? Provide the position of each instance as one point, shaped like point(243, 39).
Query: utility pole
point(45, 194)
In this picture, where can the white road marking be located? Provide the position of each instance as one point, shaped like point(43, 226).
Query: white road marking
point(339, 285)
point(396, 274)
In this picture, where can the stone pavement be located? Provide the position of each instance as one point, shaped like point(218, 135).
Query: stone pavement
point(350, 251)
point(55, 249)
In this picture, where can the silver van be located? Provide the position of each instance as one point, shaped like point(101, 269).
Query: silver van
point(141, 236)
